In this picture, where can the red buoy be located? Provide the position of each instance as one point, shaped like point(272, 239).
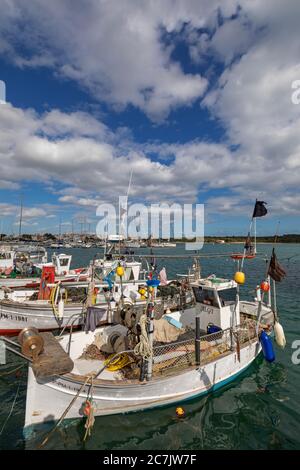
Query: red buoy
point(265, 286)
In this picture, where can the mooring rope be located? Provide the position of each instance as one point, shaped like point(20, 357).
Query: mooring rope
point(64, 414)
point(143, 348)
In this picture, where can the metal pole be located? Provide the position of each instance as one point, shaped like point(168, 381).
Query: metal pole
point(269, 292)
point(255, 235)
point(274, 297)
point(150, 338)
point(21, 215)
point(197, 342)
point(259, 310)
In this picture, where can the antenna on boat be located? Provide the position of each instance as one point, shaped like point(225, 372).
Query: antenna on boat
point(123, 211)
point(21, 216)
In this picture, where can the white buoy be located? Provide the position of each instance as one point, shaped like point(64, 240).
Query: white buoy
point(61, 308)
point(279, 335)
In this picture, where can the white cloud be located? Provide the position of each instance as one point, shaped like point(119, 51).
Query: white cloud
point(119, 55)
point(113, 49)
point(95, 171)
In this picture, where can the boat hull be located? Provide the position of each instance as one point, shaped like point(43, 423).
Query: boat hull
point(47, 401)
point(15, 316)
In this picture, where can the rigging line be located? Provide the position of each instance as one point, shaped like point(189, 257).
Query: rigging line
point(12, 407)
point(11, 371)
point(289, 257)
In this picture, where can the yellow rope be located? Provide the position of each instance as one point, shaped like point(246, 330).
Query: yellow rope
point(121, 361)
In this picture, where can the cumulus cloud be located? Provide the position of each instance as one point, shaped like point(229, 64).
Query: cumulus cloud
point(113, 49)
point(117, 51)
point(94, 170)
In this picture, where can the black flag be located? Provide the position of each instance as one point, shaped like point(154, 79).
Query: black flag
point(276, 271)
point(259, 210)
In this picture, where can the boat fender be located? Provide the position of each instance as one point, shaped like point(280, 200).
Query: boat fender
point(279, 335)
point(267, 347)
point(61, 308)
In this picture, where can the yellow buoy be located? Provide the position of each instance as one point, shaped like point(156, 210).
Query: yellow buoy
point(120, 271)
point(239, 277)
point(180, 412)
point(142, 291)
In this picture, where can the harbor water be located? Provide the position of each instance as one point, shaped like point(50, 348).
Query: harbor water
point(259, 410)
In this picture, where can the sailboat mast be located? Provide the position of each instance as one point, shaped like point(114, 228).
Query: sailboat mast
point(255, 236)
point(21, 216)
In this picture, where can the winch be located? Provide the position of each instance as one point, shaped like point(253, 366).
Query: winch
point(31, 342)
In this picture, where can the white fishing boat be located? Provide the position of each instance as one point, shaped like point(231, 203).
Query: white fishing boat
point(7, 256)
point(14, 255)
point(28, 274)
point(63, 303)
point(214, 342)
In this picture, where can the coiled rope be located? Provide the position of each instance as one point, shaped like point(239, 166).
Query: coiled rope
point(143, 348)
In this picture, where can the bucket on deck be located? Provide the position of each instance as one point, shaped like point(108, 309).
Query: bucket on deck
point(211, 328)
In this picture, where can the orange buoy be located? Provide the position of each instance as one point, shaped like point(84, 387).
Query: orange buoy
point(265, 286)
point(87, 408)
point(180, 412)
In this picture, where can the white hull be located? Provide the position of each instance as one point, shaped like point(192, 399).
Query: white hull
point(47, 402)
point(25, 281)
point(15, 316)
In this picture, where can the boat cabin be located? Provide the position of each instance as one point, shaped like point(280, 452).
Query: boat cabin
point(132, 270)
point(62, 263)
point(216, 302)
point(6, 259)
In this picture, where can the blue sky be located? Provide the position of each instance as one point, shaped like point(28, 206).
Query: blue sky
point(194, 97)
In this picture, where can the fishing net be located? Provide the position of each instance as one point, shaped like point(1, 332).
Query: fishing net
point(169, 358)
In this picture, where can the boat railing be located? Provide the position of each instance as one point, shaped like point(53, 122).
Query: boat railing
point(181, 354)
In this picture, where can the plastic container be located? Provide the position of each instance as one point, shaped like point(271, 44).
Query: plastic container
point(211, 328)
point(267, 347)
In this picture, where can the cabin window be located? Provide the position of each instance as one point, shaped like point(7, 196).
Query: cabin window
point(64, 262)
point(227, 296)
point(205, 296)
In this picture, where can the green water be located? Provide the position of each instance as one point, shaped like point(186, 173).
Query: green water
point(260, 410)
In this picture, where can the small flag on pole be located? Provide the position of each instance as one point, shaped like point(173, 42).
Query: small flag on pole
point(259, 210)
point(276, 271)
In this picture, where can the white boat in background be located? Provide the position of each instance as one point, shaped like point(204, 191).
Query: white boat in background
point(12, 256)
point(132, 244)
point(29, 274)
point(63, 302)
point(7, 256)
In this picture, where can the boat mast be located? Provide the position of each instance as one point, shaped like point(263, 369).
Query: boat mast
point(255, 235)
point(21, 216)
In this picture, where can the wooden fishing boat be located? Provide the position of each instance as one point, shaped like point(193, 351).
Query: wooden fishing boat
point(194, 364)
